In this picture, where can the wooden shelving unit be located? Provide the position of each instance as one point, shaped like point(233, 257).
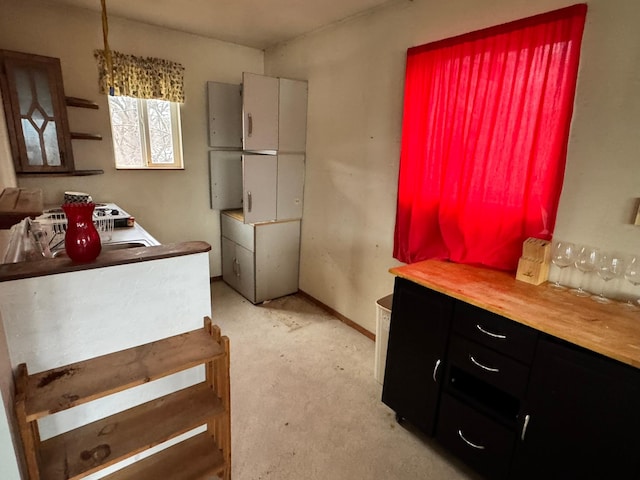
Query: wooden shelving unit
point(94, 446)
point(19, 203)
point(82, 103)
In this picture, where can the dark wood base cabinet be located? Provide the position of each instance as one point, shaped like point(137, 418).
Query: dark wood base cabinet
point(417, 345)
point(511, 402)
point(581, 418)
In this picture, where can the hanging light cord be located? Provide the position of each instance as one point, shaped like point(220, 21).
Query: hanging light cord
point(107, 51)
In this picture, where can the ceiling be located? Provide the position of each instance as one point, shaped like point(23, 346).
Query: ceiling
point(254, 23)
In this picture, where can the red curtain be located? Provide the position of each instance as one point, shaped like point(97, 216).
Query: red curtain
point(484, 136)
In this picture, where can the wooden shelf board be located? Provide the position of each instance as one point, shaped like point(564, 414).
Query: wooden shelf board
point(73, 173)
point(195, 458)
point(85, 136)
point(94, 446)
point(65, 387)
point(81, 103)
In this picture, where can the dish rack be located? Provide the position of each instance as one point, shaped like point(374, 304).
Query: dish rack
point(54, 225)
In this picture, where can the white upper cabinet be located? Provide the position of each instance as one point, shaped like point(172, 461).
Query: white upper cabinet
point(292, 121)
point(266, 118)
point(225, 115)
point(260, 113)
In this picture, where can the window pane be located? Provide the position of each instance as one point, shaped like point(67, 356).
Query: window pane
point(50, 136)
point(43, 94)
point(32, 142)
point(160, 135)
point(125, 126)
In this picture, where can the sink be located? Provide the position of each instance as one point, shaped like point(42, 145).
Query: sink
point(106, 247)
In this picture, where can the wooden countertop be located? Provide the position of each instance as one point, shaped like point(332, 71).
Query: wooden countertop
point(236, 214)
point(612, 329)
point(52, 266)
point(19, 203)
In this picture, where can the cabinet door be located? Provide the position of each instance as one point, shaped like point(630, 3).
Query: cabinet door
point(225, 175)
point(290, 186)
point(259, 113)
point(259, 179)
point(420, 320)
point(582, 417)
point(225, 115)
point(229, 274)
point(277, 259)
point(238, 268)
point(292, 121)
point(245, 271)
point(35, 108)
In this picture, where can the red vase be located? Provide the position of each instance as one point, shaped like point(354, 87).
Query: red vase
point(82, 240)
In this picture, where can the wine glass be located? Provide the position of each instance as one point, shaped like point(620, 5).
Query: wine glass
point(586, 261)
point(609, 266)
point(632, 274)
point(562, 256)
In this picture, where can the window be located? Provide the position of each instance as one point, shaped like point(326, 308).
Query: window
point(484, 138)
point(146, 133)
point(145, 94)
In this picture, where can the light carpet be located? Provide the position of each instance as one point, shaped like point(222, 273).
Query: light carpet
point(304, 401)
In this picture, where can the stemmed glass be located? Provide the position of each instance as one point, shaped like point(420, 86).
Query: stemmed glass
point(609, 266)
point(632, 274)
point(562, 256)
point(586, 261)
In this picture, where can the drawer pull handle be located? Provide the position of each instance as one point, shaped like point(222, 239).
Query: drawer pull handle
point(250, 202)
point(524, 426)
point(491, 334)
point(435, 371)
point(477, 447)
point(250, 125)
point(484, 367)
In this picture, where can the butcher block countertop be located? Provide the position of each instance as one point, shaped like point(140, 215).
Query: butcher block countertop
point(611, 329)
point(52, 266)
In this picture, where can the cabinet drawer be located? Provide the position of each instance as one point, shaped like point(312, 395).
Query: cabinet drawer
point(480, 442)
point(485, 364)
point(236, 231)
point(501, 334)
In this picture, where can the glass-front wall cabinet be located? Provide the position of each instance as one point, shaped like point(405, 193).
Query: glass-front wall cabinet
point(34, 105)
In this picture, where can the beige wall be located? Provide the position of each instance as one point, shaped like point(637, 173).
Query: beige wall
point(355, 72)
point(172, 205)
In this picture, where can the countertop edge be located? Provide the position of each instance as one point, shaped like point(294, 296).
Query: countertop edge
point(605, 329)
point(53, 266)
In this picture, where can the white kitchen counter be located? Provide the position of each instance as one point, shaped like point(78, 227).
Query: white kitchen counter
point(15, 246)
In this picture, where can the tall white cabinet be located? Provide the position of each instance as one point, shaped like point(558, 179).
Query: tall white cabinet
point(258, 133)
